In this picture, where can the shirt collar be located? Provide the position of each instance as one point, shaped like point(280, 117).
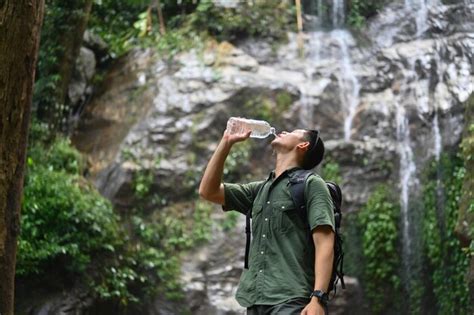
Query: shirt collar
point(271, 176)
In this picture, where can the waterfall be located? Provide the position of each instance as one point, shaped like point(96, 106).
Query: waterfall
point(320, 11)
point(421, 8)
point(321, 44)
point(440, 69)
point(437, 137)
point(306, 112)
point(348, 83)
point(407, 170)
point(338, 13)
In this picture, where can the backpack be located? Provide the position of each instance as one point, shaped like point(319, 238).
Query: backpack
point(297, 185)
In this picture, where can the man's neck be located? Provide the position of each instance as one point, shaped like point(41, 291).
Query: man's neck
point(283, 163)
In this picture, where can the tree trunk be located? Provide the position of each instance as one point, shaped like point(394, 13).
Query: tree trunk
point(20, 25)
point(160, 17)
point(299, 22)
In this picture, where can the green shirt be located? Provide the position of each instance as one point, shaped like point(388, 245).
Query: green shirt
point(281, 259)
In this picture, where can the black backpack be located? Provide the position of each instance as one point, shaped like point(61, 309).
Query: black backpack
point(297, 186)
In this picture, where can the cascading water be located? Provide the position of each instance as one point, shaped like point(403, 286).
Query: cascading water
point(348, 83)
point(338, 13)
point(437, 139)
point(407, 167)
point(421, 8)
point(349, 86)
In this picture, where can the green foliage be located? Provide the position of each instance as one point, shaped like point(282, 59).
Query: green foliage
point(361, 10)
point(201, 231)
point(466, 203)
point(447, 261)
point(239, 156)
point(68, 228)
point(283, 101)
point(352, 245)
point(179, 40)
point(267, 107)
point(142, 181)
point(230, 220)
point(57, 29)
point(263, 18)
point(378, 220)
point(114, 22)
point(155, 252)
point(63, 216)
point(261, 107)
point(126, 24)
point(331, 171)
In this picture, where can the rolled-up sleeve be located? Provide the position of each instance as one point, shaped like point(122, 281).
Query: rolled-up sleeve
point(319, 203)
point(240, 197)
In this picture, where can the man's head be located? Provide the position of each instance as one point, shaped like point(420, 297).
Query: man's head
point(306, 144)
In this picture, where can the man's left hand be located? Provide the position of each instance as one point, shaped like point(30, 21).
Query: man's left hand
point(313, 308)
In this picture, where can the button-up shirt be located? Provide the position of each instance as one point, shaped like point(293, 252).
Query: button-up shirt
point(281, 258)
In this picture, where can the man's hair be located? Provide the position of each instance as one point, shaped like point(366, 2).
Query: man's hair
point(315, 152)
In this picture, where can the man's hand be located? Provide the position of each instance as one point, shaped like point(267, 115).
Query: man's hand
point(313, 308)
point(236, 137)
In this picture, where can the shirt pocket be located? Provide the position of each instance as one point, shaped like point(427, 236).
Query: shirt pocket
point(287, 217)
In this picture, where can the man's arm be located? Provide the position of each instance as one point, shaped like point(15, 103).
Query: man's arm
point(323, 238)
point(211, 187)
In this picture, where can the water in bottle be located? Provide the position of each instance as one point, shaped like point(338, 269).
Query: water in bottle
point(260, 128)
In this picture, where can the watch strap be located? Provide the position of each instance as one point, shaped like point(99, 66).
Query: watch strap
point(322, 297)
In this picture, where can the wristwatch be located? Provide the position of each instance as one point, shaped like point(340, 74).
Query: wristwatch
point(322, 297)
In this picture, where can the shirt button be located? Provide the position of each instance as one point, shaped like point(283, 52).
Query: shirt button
point(264, 236)
point(266, 219)
point(261, 252)
point(268, 202)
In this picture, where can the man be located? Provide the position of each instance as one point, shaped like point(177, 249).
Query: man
point(284, 267)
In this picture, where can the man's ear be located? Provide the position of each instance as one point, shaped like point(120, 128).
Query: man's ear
point(304, 146)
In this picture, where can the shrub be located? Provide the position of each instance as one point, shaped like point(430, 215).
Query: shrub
point(379, 241)
point(63, 216)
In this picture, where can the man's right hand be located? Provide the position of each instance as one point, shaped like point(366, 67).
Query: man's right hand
point(211, 187)
point(236, 137)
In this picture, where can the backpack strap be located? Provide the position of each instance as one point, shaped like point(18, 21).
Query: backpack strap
point(297, 185)
point(248, 232)
point(248, 215)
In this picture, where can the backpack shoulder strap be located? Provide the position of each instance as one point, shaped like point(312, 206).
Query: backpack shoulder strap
point(248, 232)
point(297, 184)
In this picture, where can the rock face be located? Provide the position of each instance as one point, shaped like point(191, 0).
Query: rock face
point(384, 108)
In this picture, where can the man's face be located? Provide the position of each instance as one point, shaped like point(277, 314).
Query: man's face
point(289, 140)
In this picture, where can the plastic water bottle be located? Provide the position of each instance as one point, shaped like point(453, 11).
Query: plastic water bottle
point(260, 128)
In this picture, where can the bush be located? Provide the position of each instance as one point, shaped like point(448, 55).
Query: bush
point(63, 216)
point(379, 241)
point(361, 10)
point(447, 262)
point(262, 19)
